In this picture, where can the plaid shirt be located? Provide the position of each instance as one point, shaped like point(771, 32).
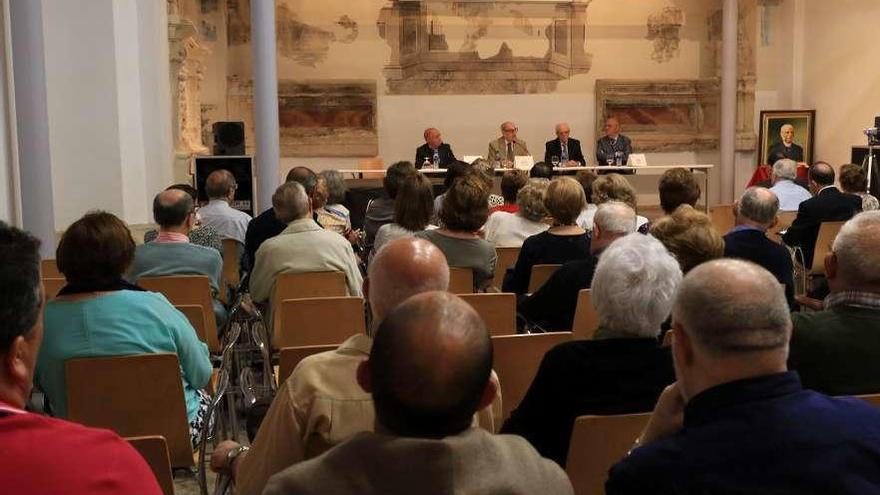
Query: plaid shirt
point(870, 300)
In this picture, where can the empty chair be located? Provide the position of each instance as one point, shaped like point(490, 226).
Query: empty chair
point(722, 218)
point(540, 274)
point(498, 311)
point(154, 450)
point(597, 443)
point(318, 321)
point(186, 290)
point(133, 396)
point(461, 280)
point(516, 360)
point(786, 218)
point(506, 258)
point(586, 319)
point(53, 286)
point(289, 358)
point(827, 232)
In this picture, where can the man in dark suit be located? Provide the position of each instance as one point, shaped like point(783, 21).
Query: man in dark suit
point(567, 149)
point(613, 146)
point(828, 204)
point(434, 151)
point(785, 148)
point(755, 213)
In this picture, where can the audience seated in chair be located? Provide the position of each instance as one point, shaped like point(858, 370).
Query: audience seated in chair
point(614, 187)
point(381, 210)
point(172, 253)
point(486, 172)
point(321, 404)
point(564, 241)
point(552, 307)
point(828, 205)
point(302, 247)
point(678, 187)
point(99, 314)
point(688, 234)
point(201, 235)
point(586, 179)
point(333, 215)
point(835, 350)
point(505, 229)
point(465, 210)
point(755, 213)
point(623, 369)
point(425, 441)
point(39, 454)
point(412, 212)
point(511, 183)
point(229, 223)
point(736, 421)
point(854, 180)
point(790, 194)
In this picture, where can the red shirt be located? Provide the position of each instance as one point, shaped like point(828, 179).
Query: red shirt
point(508, 207)
point(42, 455)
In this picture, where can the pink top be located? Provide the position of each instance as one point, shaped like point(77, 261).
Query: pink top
point(171, 237)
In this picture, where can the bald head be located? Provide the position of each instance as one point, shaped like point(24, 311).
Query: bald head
point(429, 366)
point(403, 268)
point(822, 174)
point(856, 255)
point(220, 184)
point(731, 306)
point(757, 206)
point(172, 208)
point(306, 177)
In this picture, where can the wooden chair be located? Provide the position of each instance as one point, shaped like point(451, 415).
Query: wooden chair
point(586, 319)
point(53, 286)
point(506, 258)
point(873, 399)
point(309, 284)
point(786, 218)
point(49, 269)
point(497, 310)
point(827, 232)
point(318, 321)
point(461, 280)
point(722, 218)
point(289, 357)
point(516, 362)
point(597, 443)
point(188, 290)
point(133, 396)
point(196, 315)
point(540, 274)
point(231, 277)
point(154, 450)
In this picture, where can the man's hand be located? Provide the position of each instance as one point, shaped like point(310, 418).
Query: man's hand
point(667, 418)
point(218, 458)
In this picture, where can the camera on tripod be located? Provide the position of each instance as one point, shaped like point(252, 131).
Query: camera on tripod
point(873, 133)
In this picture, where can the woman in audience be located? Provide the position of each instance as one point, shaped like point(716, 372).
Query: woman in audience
point(585, 219)
point(454, 170)
point(616, 187)
point(333, 215)
point(564, 241)
point(621, 369)
point(412, 212)
point(505, 229)
point(688, 234)
point(98, 314)
point(511, 182)
point(854, 181)
point(487, 174)
point(202, 235)
point(465, 209)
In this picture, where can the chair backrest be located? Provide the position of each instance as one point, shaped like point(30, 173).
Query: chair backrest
point(461, 280)
point(540, 274)
point(827, 232)
point(232, 250)
point(597, 443)
point(786, 218)
point(497, 310)
point(49, 269)
point(133, 396)
point(873, 399)
point(506, 258)
point(52, 286)
point(586, 319)
point(722, 218)
point(289, 357)
point(309, 284)
point(516, 360)
point(196, 316)
point(154, 450)
point(188, 290)
point(318, 321)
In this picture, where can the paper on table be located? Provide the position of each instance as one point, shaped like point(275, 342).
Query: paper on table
point(637, 160)
point(470, 158)
point(523, 162)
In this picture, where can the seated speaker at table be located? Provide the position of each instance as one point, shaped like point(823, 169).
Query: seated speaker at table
point(507, 147)
point(434, 151)
point(566, 149)
point(613, 148)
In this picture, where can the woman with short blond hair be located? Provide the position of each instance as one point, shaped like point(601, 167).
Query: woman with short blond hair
point(614, 187)
point(504, 229)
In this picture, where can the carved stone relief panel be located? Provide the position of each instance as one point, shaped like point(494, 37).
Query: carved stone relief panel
point(664, 29)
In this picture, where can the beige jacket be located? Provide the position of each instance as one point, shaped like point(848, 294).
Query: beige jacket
point(319, 406)
point(499, 146)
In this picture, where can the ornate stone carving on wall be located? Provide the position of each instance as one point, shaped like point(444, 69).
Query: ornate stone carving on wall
point(664, 29)
point(426, 59)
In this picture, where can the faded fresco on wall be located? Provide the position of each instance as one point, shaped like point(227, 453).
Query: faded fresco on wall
point(664, 30)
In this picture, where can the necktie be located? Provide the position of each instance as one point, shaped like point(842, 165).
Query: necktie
point(564, 157)
point(510, 152)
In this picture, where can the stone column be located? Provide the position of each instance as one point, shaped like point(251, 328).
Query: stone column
point(265, 75)
point(727, 170)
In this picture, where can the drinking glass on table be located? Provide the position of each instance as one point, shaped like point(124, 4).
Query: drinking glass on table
point(554, 160)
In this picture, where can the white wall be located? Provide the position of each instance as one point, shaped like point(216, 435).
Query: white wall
point(9, 203)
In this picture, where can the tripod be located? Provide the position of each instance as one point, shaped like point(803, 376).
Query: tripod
point(869, 166)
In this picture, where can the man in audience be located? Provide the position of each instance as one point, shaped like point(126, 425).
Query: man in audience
point(38, 454)
point(755, 214)
point(790, 194)
point(622, 369)
point(302, 247)
point(541, 170)
point(678, 187)
point(172, 253)
point(424, 441)
point(613, 148)
point(381, 210)
point(506, 148)
point(828, 205)
point(836, 351)
point(321, 403)
point(553, 305)
point(435, 151)
point(230, 223)
point(267, 225)
point(566, 149)
point(736, 421)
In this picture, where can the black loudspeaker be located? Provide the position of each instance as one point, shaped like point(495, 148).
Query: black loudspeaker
point(228, 138)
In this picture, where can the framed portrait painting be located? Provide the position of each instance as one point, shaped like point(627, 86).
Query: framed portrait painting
point(786, 134)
